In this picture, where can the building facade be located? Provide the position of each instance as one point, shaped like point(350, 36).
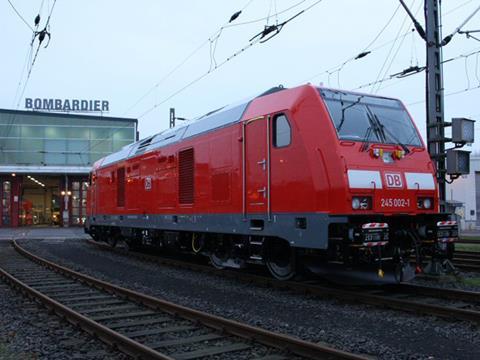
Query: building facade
point(465, 194)
point(45, 159)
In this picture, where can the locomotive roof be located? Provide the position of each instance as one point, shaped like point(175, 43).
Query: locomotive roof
point(212, 120)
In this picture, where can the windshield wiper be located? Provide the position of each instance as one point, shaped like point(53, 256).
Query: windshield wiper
point(374, 125)
point(366, 138)
point(391, 134)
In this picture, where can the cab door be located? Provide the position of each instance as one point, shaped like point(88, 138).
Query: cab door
point(256, 166)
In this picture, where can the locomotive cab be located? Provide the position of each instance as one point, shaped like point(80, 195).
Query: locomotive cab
point(387, 207)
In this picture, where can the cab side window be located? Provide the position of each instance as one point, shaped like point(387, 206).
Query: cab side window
point(282, 133)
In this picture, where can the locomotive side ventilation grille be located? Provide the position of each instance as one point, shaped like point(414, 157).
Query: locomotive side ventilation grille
point(186, 176)
point(121, 186)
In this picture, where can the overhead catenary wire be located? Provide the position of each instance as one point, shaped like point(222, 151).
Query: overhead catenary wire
point(418, 70)
point(386, 68)
point(469, 34)
point(28, 58)
point(41, 35)
point(335, 68)
point(332, 70)
point(457, 7)
point(20, 16)
point(212, 40)
point(281, 12)
point(389, 21)
point(366, 51)
point(449, 37)
point(448, 94)
point(259, 38)
point(414, 70)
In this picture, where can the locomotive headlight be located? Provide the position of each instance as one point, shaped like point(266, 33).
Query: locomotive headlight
point(361, 203)
point(355, 203)
point(427, 203)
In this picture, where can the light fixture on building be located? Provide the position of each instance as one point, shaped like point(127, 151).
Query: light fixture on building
point(36, 181)
point(13, 174)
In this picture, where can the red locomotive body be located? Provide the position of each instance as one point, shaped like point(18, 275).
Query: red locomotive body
point(303, 176)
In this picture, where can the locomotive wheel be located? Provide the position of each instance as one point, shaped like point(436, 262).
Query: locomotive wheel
point(132, 245)
point(281, 261)
point(112, 240)
point(216, 261)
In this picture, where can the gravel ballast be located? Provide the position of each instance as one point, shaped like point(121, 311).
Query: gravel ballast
point(29, 331)
point(357, 328)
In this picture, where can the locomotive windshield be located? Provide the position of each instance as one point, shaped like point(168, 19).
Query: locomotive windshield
point(366, 118)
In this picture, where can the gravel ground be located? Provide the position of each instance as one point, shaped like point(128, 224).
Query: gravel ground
point(358, 328)
point(24, 334)
point(461, 281)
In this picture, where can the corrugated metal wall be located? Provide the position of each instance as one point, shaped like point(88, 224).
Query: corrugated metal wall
point(477, 196)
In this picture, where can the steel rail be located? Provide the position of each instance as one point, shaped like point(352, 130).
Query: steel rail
point(111, 337)
point(356, 296)
point(276, 340)
point(467, 260)
point(467, 241)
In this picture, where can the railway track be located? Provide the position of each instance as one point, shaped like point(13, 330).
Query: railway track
point(143, 326)
point(467, 240)
point(445, 303)
point(467, 260)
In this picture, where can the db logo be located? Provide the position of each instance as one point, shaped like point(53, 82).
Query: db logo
point(148, 183)
point(393, 180)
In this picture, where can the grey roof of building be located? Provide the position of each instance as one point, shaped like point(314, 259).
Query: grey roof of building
point(68, 115)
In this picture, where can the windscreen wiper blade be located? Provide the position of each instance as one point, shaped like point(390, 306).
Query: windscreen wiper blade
point(374, 125)
point(366, 138)
point(391, 134)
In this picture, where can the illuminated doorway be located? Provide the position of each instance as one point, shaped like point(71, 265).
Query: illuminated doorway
point(40, 204)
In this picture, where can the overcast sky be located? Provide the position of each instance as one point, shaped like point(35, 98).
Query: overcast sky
point(118, 50)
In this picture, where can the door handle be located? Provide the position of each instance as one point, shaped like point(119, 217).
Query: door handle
point(263, 163)
point(264, 191)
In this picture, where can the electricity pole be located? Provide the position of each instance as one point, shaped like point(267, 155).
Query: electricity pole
point(434, 94)
point(434, 97)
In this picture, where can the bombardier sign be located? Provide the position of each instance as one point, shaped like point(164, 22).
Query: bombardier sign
point(68, 105)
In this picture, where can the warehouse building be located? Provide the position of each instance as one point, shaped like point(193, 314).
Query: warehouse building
point(464, 196)
point(45, 159)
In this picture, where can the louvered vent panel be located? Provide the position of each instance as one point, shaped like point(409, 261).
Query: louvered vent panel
point(186, 176)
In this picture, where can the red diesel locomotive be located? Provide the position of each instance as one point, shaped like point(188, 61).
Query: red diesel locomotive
point(293, 178)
